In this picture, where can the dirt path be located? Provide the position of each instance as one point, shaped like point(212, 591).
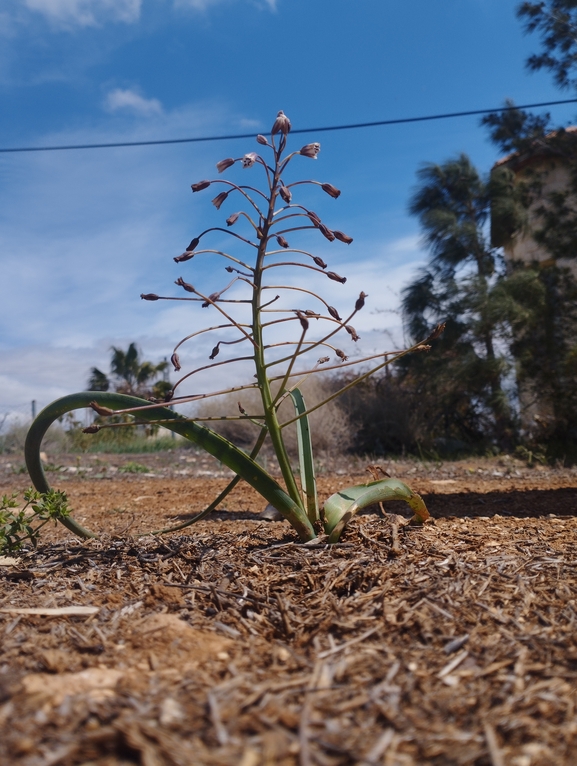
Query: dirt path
point(232, 643)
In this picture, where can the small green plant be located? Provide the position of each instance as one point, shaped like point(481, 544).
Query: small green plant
point(286, 329)
point(21, 526)
point(133, 467)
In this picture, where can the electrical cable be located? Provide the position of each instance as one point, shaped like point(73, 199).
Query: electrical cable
point(352, 126)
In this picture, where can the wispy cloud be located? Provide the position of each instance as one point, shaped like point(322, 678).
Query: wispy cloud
point(86, 13)
point(204, 5)
point(130, 100)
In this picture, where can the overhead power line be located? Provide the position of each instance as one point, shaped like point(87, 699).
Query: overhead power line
point(324, 129)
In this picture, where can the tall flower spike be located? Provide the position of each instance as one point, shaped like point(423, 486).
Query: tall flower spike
point(342, 237)
point(282, 124)
point(249, 159)
point(200, 185)
point(360, 301)
point(326, 232)
point(219, 199)
point(352, 332)
point(188, 287)
point(186, 256)
point(224, 164)
point(310, 150)
point(303, 320)
point(331, 190)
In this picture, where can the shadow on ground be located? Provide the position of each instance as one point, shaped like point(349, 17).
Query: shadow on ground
point(518, 503)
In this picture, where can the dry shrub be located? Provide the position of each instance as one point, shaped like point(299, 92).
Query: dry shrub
point(330, 426)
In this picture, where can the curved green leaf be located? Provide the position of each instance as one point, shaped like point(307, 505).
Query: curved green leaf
point(211, 442)
point(340, 508)
point(306, 460)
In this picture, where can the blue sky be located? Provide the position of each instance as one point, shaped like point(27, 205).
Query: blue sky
point(83, 233)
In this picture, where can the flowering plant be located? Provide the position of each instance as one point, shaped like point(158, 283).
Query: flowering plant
point(254, 321)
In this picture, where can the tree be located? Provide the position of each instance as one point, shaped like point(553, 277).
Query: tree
point(539, 304)
point(556, 21)
point(465, 375)
point(534, 216)
point(130, 375)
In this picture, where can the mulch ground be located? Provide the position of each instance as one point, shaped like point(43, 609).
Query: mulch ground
point(232, 643)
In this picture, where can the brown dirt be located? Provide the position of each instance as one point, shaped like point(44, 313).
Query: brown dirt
point(232, 643)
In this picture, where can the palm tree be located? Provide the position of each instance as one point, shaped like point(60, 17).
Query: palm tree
point(452, 203)
point(130, 375)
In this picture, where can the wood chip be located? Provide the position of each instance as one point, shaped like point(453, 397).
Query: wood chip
point(62, 611)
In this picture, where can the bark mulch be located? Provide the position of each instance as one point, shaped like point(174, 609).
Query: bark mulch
point(233, 644)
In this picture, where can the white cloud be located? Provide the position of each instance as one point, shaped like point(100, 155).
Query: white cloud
point(86, 12)
point(120, 99)
point(203, 5)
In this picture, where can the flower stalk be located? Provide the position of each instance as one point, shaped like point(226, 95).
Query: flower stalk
point(299, 504)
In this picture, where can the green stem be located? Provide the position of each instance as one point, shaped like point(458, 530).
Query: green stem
point(270, 414)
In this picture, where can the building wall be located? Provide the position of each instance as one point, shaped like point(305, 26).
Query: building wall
point(554, 176)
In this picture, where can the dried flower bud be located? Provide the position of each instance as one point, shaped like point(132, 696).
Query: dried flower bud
point(341, 355)
point(342, 237)
point(186, 256)
point(331, 190)
point(334, 313)
point(249, 159)
point(224, 164)
point(303, 320)
point(360, 301)
point(285, 194)
point(214, 351)
point(261, 140)
point(310, 313)
point(219, 199)
point(168, 396)
point(310, 150)
point(193, 245)
point(232, 219)
point(91, 430)
point(324, 360)
point(229, 269)
point(335, 277)
point(319, 262)
point(241, 409)
point(188, 287)
point(282, 241)
point(422, 347)
point(326, 232)
point(352, 332)
point(282, 124)
point(258, 232)
point(437, 331)
point(149, 296)
point(104, 411)
point(211, 299)
point(314, 217)
point(175, 360)
point(200, 186)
